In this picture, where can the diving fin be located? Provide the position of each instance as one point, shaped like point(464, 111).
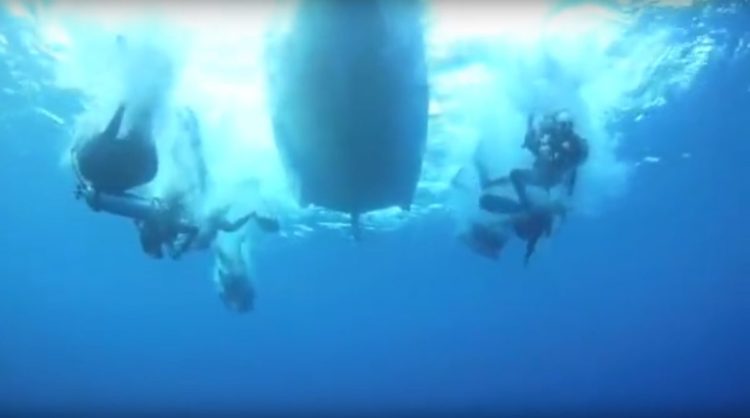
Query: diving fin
point(499, 204)
point(113, 128)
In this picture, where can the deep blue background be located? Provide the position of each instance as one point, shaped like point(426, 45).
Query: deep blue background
point(645, 307)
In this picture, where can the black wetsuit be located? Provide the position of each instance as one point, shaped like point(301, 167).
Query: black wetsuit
point(166, 228)
point(113, 164)
point(558, 152)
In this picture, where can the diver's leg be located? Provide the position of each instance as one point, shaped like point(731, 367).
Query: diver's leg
point(499, 204)
point(519, 178)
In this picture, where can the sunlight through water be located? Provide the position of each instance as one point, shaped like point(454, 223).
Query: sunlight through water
point(489, 65)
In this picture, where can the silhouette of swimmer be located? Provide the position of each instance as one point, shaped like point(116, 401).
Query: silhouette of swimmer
point(111, 163)
point(166, 224)
point(163, 223)
point(558, 153)
point(160, 223)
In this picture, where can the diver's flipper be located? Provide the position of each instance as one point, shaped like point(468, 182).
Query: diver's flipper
point(114, 125)
point(530, 247)
point(498, 204)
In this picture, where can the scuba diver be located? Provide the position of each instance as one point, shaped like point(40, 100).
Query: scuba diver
point(164, 223)
point(160, 223)
point(558, 152)
point(109, 165)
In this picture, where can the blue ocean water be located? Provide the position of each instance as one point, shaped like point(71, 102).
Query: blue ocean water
point(643, 307)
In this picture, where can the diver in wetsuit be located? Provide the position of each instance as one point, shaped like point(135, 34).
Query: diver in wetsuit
point(164, 223)
point(109, 165)
point(558, 152)
point(161, 223)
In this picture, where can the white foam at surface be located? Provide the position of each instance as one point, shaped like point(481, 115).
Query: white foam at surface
point(587, 58)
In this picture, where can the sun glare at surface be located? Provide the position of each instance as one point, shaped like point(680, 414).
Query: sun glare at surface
point(489, 65)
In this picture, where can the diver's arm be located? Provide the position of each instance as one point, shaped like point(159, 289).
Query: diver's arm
point(581, 157)
point(530, 131)
point(572, 181)
point(530, 134)
point(583, 154)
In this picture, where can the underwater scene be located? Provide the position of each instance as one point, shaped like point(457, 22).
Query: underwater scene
point(375, 208)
